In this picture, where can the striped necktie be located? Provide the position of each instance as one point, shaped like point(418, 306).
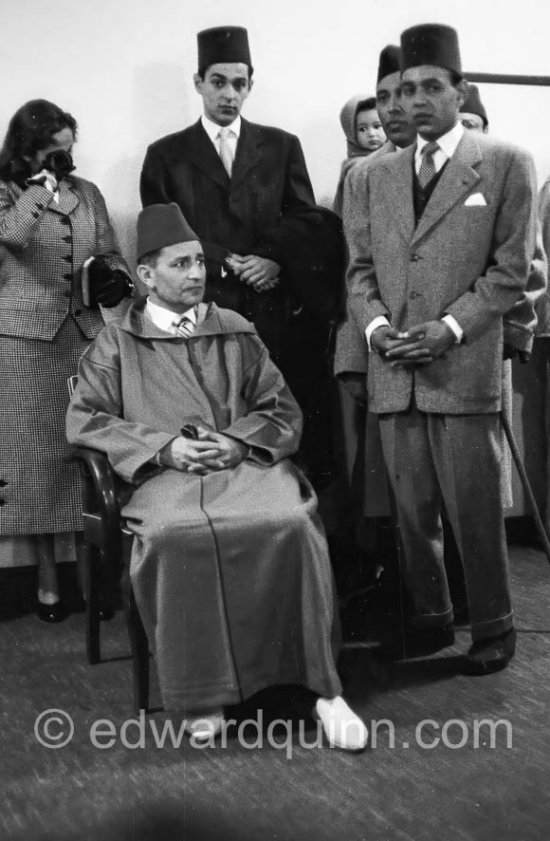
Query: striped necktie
point(184, 327)
point(226, 152)
point(427, 167)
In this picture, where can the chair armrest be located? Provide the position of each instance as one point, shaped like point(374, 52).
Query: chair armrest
point(99, 491)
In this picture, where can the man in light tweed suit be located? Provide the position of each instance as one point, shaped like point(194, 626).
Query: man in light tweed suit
point(442, 252)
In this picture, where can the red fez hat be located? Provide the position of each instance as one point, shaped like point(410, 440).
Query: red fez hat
point(474, 105)
point(389, 62)
point(431, 43)
point(223, 45)
point(160, 225)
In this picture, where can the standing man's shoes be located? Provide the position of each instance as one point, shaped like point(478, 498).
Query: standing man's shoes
point(490, 655)
point(55, 612)
point(419, 642)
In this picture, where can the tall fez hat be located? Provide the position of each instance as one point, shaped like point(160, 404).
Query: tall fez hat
point(431, 43)
point(223, 45)
point(159, 225)
point(474, 105)
point(389, 62)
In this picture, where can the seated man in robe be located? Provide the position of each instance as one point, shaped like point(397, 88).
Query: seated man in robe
point(229, 564)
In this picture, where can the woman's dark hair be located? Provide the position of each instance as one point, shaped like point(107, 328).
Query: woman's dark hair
point(31, 128)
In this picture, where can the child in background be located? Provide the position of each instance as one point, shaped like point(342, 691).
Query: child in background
point(364, 135)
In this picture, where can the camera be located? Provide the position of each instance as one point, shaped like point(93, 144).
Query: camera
point(59, 162)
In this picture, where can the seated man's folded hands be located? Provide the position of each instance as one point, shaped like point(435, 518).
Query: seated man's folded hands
point(212, 451)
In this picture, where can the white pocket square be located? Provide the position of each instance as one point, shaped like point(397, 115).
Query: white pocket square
point(475, 200)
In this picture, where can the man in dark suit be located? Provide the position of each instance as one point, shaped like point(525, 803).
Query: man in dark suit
point(271, 254)
point(442, 252)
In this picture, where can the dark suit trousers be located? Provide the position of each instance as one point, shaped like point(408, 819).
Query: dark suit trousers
point(455, 461)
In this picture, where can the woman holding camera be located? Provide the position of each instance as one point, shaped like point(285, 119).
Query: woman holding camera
point(51, 223)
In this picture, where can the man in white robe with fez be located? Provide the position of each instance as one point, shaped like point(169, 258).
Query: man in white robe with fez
point(229, 564)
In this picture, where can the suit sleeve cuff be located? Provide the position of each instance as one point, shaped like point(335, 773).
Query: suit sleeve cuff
point(451, 322)
point(379, 321)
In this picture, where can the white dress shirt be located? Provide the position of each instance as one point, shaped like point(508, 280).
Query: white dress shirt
point(213, 131)
point(164, 319)
point(448, 144)
point(447, 147)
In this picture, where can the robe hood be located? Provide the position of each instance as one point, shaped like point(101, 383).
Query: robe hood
point(211, 321)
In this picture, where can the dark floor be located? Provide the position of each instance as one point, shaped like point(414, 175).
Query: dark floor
point(238, 793)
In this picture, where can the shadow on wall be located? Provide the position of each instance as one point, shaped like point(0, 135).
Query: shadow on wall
point(164, 101)
point(121, 182)
point(324, 148)
point(162, 104)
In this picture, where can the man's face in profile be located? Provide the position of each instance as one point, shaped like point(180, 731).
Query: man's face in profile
point(177, 279)
point(398, 126)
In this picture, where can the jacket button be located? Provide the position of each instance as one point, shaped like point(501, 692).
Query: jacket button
point(2, 501)
point(39, 206)
point(78, 312)
point(67, 239)
point(36, 214)
point(414, 295)
point(3, 483)
point(67, 276)
point(65, 220)
point(414, 258)
point(67, 293)
point(67, 258)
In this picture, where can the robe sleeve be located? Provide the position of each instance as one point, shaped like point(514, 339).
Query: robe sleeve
point(273, 424)
point(94, 416)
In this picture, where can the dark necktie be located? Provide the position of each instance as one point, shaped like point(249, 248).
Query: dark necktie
point(184, 327)
point(427, 167)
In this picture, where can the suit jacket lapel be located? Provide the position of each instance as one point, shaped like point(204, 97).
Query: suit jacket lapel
point(247, 153)
point(400, 192)
point(201, 152)
point(457, 180)
point(68, 199)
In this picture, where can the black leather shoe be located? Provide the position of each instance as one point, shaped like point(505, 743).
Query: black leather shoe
point(51, 612)
point(106, 613)
point(419, 642)
point(490, 655)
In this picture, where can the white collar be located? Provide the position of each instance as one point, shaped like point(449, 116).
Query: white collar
point(448, 142)
point(213, 129)
point(164, 319)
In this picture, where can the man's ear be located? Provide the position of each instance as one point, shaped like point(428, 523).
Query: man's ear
point(462, 89)
point(145, 275)
point(198, 82)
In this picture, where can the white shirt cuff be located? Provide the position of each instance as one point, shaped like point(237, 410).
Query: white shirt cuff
point(451, 322)
point(379, 321)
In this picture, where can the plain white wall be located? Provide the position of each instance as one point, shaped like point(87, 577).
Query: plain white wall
point(124, 69)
